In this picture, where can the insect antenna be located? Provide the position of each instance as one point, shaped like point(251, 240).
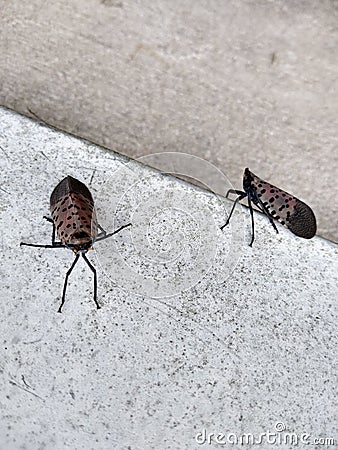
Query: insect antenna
point(66, 281)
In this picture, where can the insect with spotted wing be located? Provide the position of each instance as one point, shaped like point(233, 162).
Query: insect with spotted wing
point(75, 223)
point(276, 204)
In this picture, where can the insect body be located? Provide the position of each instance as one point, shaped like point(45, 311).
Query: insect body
point(73, 214)
point(276, 205)
point(74, 221)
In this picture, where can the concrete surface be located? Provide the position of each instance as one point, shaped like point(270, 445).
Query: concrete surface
point(197, 330)
point(238, 83)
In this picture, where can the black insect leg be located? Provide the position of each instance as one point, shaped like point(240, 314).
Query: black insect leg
point(66, 281)
point(235, 191)
point(53, 232)
point(261, 206)
point(102, 233)
point(105, 236)
point(101, 229)
point(252, 221)
point(95, 280)
point(53, 245)
point(241, 195)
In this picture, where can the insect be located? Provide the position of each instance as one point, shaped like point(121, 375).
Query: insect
point(276, 204)
point(74, 221)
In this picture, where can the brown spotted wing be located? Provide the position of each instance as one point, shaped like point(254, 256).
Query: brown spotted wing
point(276, 204)
point(74, 221)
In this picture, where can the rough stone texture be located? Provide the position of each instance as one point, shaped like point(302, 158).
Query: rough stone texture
point(197, 330)
point(237, 83)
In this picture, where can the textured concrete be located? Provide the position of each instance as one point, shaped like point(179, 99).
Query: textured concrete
point(238, 83)
point(197, 330)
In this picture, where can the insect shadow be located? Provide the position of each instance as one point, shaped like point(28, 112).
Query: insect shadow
point(276, 204)
point(75, 223)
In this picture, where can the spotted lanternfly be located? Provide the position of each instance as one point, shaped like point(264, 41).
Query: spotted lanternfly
point(275, 204)
point(74, 220)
